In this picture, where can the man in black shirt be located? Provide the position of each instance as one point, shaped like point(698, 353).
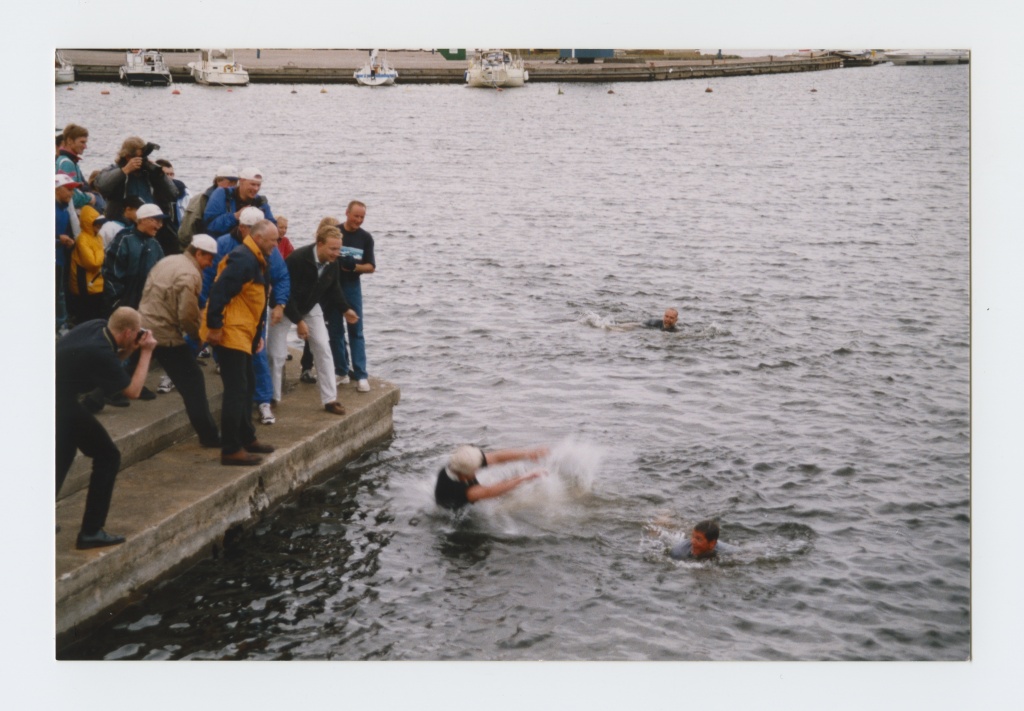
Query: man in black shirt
point(666, 322)
point(457, 485)
point(90, 357)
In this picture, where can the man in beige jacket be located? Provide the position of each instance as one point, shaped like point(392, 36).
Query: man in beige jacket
point(170, 309)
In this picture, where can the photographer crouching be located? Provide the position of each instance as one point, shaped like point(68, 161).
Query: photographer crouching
point(134, 174)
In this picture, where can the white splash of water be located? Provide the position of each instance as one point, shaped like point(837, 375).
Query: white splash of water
point(571, 470)
point(607, 323)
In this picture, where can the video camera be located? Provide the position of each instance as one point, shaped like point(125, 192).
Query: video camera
point(146, 151)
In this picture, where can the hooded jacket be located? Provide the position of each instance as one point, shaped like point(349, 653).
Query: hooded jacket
point(87, 257)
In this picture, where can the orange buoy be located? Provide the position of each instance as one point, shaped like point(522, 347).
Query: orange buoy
point(175, 92)
point(708, 90)
point(71, 88)
point(104, 92)
point(611, 91)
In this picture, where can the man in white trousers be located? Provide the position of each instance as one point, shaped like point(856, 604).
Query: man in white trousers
point(313, 271)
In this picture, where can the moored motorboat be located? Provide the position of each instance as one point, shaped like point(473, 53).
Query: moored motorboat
point(63, 70)
point(929, 56)
point(496, 68)
point(217, 67)
point(376, 71)
point(145, 67)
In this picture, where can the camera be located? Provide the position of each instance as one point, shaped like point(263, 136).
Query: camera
point(141, 334)
point(149, 148)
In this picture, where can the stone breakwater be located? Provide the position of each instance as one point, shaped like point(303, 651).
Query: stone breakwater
point(337, 66)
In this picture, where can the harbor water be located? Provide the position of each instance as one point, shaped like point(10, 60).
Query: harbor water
point(813, 231)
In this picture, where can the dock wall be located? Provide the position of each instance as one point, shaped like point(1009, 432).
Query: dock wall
point(338, 67)
point(179, 504)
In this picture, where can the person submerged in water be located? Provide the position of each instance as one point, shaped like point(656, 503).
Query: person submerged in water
point(702, 544)
point(457, 485)
point(666, 322)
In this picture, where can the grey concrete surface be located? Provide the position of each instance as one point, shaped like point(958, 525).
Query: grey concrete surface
point(176, 505)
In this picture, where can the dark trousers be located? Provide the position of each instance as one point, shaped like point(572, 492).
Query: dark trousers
point(78, 430)
point(236, 429)
point(180, 365)
point(86, 308)
point(307, 357)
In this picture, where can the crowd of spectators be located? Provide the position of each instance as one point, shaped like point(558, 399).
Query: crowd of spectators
point(145, 270)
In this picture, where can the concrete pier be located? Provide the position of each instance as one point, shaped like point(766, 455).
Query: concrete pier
point(337, 66)
point(175, 502)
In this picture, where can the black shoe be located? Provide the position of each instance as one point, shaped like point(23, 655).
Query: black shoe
point(211, 444)
point(147, 394)
point(97, 540)
point(119, 400)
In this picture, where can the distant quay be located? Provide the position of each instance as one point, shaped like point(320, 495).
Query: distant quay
point(337, 66)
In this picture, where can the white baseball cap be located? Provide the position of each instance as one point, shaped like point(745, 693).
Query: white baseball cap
point(63, 179)
point(149, 210)
point(227, 171)
point(251, 174)
point(250, 216)
point(205, 243)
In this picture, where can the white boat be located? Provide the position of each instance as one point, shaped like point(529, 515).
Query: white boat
point(146, 67)
point(929, 56)
point(63, 70)
point(376, 71)
point(496, 68)
point(217, 67)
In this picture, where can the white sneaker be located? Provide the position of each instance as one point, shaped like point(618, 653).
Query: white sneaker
point(266, 414)
point(165, 385)
point(343, 380)
point(364, 386)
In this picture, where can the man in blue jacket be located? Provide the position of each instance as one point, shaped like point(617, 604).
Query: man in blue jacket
point(224, 209)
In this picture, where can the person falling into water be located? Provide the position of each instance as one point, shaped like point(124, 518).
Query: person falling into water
point(457, 484)
point(666, 322)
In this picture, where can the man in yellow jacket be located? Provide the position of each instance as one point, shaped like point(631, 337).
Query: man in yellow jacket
point(233, 325)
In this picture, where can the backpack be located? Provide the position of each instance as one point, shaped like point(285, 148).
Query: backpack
point(192, 221)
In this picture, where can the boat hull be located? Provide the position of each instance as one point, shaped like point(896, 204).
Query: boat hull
point(218, 77)
point(64, 75)
point(496, 78)
point(145, 78)
point(365, 77)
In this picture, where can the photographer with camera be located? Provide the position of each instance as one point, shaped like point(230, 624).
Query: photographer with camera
point(134, 174)
point(226, 204)
point(89, 357)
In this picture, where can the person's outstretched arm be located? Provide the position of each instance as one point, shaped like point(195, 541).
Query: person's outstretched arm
point(479, 491)
point(500, 456)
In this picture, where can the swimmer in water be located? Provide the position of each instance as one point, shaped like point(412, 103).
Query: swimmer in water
point(457, 485)
point(703, 543)
point(666, 322)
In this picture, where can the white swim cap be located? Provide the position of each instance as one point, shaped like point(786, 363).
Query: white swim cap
point(465, 460)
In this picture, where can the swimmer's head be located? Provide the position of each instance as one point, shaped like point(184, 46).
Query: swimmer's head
point(704, 538)
point(464, 462)
point(670, 318)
